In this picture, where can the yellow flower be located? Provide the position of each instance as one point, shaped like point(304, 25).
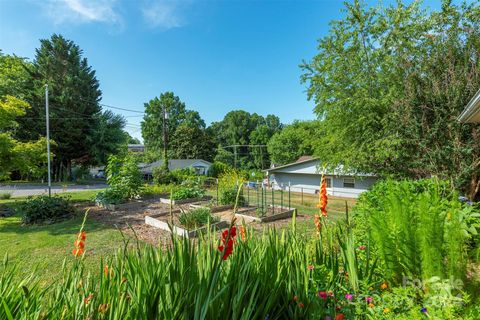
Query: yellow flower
point(384, 286)
point(386, 310)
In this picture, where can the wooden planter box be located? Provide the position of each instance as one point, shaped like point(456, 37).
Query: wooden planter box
point(286, 213)
point(153, 221)
point(183, 201)
point(212, 209)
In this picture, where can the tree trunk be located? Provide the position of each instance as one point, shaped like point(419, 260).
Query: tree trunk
point(474, 186)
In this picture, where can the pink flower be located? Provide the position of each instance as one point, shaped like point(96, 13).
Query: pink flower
point(322, 294)
point(368, 299)
point(349, 297)
point(330, 293)
point(311, 267)
point(361, 248)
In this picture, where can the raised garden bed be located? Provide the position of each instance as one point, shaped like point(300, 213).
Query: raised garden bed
point(272, 213)
point(134, 203)
point(213, 208)
point(184, 201)
point(161, 220)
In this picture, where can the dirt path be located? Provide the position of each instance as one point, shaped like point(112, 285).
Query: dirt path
point(132, 216)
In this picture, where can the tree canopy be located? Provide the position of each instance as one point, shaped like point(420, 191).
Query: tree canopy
point(389, 83)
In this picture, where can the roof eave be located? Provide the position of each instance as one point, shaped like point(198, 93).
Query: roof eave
point(472, 108)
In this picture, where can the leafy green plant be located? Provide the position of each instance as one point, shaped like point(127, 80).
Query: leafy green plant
point(5, 195)
point(188, 193)
point(196, 218)
point(124, 179)
point(418, 228)
point(41, 208)
point(149, 190)
point(228, 197)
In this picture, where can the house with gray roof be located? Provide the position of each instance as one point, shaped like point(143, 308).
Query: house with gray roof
point(304, 176)
point(199, 165)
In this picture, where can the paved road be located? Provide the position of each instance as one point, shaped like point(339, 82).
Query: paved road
point(21, 190)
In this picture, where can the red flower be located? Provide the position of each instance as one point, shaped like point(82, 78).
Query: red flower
point(322, 294)
point(82, 236)
point(77, 252)
point(301, 305)
point(227, 242)
point(340, 316)
point(79, 244)
point(361, 248)
point(295, 298)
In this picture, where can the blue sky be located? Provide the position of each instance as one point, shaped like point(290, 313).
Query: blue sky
point(216, 56)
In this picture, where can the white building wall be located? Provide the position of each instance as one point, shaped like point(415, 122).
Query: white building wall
point(310, 183)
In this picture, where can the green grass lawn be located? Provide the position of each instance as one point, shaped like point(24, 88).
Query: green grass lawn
point(77, 196)
point(43, 248)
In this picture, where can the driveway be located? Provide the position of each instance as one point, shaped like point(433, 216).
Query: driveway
point(23, 190)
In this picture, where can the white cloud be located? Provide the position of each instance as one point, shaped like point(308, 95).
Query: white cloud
point(165, 14)
point(83, 11)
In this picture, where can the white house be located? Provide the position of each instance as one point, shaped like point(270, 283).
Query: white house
point(304, 176)
point(471, 114)
point(200, 166)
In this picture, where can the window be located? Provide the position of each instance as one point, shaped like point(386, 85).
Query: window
point(199, 170)
point(348, 182)
point(329, 182)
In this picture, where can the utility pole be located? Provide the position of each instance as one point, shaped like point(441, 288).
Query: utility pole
point(165, 141)
point(48, 141)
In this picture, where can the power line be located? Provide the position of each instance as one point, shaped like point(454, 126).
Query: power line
point(113, 107)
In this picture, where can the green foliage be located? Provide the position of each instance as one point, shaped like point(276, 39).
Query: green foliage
point(152, 123)
point(228, 196)
point(239, 127)
point(196, 218)
point(191, 142)
point(28, 158)
point(188, 192)
point(162, 189)
point(228, 183)
point(124, 179)
point(419, 228)
point(176, 176)
point(388, 83)
point(218, 168)
point(41, 208)
point(294, 141)
point(5, 195)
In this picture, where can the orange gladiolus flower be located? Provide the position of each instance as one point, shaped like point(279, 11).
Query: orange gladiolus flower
point(82, 236)
point(77, 252)
point(79, 244)
point(243, 233)
point(106, 271)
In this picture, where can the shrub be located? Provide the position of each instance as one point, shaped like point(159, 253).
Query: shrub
point(229, 196)
point(41, 208)
point(196, 218)
point(419, 228)
point(124, 179)
point(177, 176)
point(217, 169)
point(188, 192)
point(149, 190)
point(228, 184)
point(5, 195)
